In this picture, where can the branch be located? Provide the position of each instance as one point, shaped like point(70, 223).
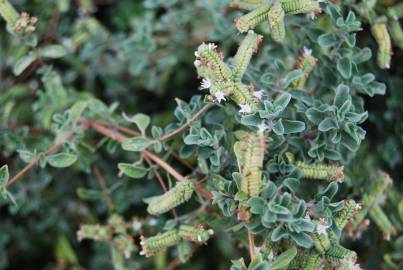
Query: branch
point(120, 138)
point(101, 180)
point(164, 187)
point(251, 245)
point(48, 151)
point(184, 126)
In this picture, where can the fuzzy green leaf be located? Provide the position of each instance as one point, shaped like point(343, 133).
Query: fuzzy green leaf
point(136, 144)
point(4, 175)
point(61, 160)
point(132, 170)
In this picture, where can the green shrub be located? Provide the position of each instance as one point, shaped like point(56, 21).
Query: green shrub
point(266, 164)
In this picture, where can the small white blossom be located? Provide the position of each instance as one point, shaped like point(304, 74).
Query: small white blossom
point(245, 108)
point(262, 127)
point(358, 207)
point(307, 52)
point(197, 63)
point(270, 256)
point(353, 266)
point(322, 227)
point(311, 15)
point(197, 54)
point(136, 225)
point(258, 94)
point(212, 46)
point(257, 249)
point(205, 84)
point(219, 95)
point(153, 222)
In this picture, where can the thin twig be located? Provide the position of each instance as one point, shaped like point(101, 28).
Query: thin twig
point(184, 126)
point(175, 263)
point(182, 161)
point(251, 245)
point(48, 151)
point(136, 134)
point(101, 180)
point(164, 165)
point(120, 138)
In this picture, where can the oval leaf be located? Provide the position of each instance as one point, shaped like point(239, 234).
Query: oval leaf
point(136, 144)
point(61, 160)
point(132, 170)
point(4, 175)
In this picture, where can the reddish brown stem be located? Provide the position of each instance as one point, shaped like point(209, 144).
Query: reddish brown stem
point(101, 180)
point(48, 151)
point(178, 130)
point(119, 137)
point(175, 263)
point(251, 245)
point(182, 161)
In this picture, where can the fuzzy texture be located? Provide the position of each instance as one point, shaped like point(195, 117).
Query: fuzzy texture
point(8, 12)
point(382, 221)
point(247, 48)
point(321, 171)
point(337, 253)
point(396, 33)
point(299, 6)
point(194, 233)
point(306, 64)
point(253, 18)
point(375, 194)
point(211, 64)
point(242, 94)
point(382, 37)
point(95, 232)
point(321, 242)
point(174, 197)
point(246, 4)
point(396, 11)
point(252, 149)
point(276, 22)
point(151, 246)
point(346, 214)
point(307, 260)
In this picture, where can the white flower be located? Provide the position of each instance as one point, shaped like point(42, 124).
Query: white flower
point(353, 266)
point(197, 63)
point(153, 222)
point(257, 249)
point(322, 227)
point(136, 225)
point(219, 95)
point(245, 108)
point(262, 127)
point(212, 46)
point(205, 84)
point(258, 94)
point(311, 15)
point(270, 256)
point(358, 207)
point(307, 52)
point(197, 54)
